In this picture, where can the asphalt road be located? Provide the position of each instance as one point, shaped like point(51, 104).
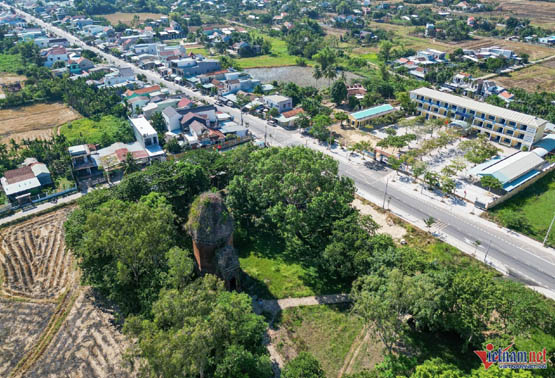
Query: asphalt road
point(523, 259)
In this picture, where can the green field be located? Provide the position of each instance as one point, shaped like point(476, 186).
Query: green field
point(536, 204)
point(271, 273)
point(107, 130)
point(278, 56)
point(10, 63)
point(327, 332)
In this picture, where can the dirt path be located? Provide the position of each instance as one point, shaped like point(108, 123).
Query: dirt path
point(353, 353)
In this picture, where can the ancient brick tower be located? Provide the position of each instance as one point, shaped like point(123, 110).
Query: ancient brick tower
point(211, 227)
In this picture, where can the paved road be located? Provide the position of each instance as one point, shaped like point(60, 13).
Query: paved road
point(521, 257)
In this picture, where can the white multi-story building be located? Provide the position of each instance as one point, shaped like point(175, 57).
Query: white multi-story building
point(147, 138)
point(500, 125)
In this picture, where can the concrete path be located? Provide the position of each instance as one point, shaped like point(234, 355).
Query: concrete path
point(274, 306)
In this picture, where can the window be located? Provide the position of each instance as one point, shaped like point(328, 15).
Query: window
point(491, 118)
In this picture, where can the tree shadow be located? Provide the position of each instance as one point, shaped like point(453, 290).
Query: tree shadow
point(446, 345)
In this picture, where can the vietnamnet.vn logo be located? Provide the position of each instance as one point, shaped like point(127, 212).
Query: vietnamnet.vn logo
point(512, 360)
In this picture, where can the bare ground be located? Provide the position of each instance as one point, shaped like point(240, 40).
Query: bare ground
point(87, 345)
point(387, 226)
point(21, 324)
point(126, 18)
point(539, 77)
point(34, 121)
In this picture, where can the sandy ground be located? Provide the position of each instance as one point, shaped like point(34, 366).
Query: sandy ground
point(34, 121)
point(20, 327)
point(386, 225)
point(126, 18)
point(87, 345)
point(537, 77)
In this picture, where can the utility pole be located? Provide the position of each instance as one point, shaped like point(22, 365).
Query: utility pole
point(487, 251)
point(265, 131)
point(385, 193)
point(549, 230)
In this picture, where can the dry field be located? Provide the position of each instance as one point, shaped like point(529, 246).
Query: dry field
point(539, 13)
point(540, 77)
point(88, 345)
point(49, 325)
point(126, 18)
point(35, 263)
point(34, 121)
point(21, 324)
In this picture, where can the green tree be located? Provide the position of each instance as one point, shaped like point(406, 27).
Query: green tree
point(341, 117)
point(157, 121)
point(382, 303)
point(122, 249)
point(338, 92)
point(491, 182)
point(437, 368)
point(130, 165)
point(303, 366)
point(385, 51)
point(203, 331)
point(294, 191)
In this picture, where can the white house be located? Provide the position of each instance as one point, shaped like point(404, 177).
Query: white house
point(147, 138)
point(172, 118)
point(56, 54)
point(281, 103)
point(120, 76)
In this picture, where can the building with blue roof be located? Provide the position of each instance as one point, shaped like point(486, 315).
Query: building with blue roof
point(363, 117)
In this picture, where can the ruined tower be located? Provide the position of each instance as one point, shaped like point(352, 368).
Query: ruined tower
point(211, 227)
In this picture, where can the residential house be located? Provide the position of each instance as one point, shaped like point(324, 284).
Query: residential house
point(281, 103)
point(288, 119)
point(147, 138)
point(21, 183)
point(56, 54)
point(82, 162)
point(79, 65)
point(120, 76)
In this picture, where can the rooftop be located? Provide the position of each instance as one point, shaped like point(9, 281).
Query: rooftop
point(376, 110)
point(142, 125)
point(481, 107)
point(513, 167)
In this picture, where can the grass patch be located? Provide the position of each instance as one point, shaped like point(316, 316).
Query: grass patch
point(278, 55)
point(536, 204)
point(327, 332)
point(11, 63)
point(199, 50)
point(107, 130)
point(273, 273)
